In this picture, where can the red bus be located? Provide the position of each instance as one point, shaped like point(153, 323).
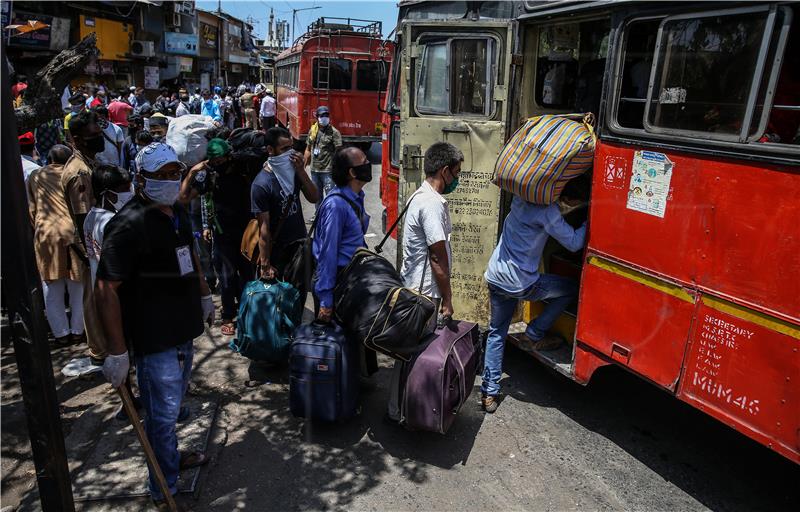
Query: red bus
point(691, 275)
point(340, 63)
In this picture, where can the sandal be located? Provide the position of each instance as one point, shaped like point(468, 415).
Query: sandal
point(228, 329)
point(191, 460)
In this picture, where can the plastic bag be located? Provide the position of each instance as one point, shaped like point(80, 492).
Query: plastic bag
point(187, 136)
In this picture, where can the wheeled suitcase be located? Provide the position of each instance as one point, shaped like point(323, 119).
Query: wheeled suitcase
point(269, 312)
point(323, 373)
point(438, 381)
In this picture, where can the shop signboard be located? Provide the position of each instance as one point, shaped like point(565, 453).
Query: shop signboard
point(151, 80)
point(208, 36)
point(185, 64)
point(53, 37)
point(179, 43)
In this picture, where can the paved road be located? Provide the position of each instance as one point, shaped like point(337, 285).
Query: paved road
point(618, 444)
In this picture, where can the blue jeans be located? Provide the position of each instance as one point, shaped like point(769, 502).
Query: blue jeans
point(324, 184)
point(163, 379)
point(558, 291)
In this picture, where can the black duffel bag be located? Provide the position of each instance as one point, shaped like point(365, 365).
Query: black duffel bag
point(377, 309)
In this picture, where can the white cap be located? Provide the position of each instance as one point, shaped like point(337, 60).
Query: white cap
point(132, 88)
point(154, 156)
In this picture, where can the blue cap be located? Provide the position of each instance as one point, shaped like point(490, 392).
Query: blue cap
point(323, 111)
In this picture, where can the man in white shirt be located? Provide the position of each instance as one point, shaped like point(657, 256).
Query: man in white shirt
point(268, 110)
point(426, 242)
point(114, 137)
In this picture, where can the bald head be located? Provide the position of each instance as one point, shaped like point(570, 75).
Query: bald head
point(59, 154)
point(344, 160)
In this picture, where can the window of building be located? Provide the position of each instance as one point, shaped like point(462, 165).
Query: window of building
point(456, 77)
point(332, 74)
point(371, 75)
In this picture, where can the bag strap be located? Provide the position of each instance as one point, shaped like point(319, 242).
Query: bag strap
point(379, 247)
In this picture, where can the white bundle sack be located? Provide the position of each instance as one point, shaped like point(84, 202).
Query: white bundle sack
point(187, 136)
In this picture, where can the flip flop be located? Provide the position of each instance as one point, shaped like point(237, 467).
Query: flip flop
point(191, 460)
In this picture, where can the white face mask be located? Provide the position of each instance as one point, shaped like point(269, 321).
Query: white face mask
point(283, 169)
point(324, 121)
point(163, 192)
point(123, 198)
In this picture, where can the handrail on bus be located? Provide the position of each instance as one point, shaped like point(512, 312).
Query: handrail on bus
point(370, 27)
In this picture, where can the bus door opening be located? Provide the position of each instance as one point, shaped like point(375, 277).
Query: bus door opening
point(563, 74)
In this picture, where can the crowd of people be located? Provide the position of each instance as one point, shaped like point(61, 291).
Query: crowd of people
point(139, 241)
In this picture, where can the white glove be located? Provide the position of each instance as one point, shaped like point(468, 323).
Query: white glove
point(207, 304)
point(115, 368)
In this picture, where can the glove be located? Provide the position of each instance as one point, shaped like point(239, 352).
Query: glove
point(115, 368)
point(207, 304)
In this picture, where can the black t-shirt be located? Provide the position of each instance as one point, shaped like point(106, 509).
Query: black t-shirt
point(268, 196)
point(232, 201)
point(160, 307)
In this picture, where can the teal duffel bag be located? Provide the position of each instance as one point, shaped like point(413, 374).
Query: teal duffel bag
point(269, 311)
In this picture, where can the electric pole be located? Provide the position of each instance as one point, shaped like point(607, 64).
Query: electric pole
point(294, 17)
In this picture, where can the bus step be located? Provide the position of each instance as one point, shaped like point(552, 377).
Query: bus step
point(559, 359)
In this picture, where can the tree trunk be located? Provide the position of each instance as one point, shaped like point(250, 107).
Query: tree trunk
point(42, 101)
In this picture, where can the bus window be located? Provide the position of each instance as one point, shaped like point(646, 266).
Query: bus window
point(455, 77)
point(639, 45)
point(570, 65)
point(704, 71)
point(340, 74)
point(371, 75)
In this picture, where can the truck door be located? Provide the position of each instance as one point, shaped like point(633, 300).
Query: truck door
point(456, 76)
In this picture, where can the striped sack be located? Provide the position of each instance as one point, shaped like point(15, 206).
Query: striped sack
point(544, 154)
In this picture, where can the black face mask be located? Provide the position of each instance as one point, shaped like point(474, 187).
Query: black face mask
point(363, 172)
point(96, 144)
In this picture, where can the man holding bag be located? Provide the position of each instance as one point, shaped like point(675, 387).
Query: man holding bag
point(426, 242)
point(275, 201)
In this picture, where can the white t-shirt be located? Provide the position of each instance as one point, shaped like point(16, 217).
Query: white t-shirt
point(427, 222)
point(93, 228)
point(267, 106)
point(112, 154)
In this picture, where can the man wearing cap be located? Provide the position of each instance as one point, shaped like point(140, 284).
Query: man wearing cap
point(154, 298)
point(76, 183)
point(267, 110)
point(27, 148)
point(158, 126)
point(323, 141)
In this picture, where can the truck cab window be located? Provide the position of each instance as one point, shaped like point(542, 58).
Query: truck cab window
point(455, 77)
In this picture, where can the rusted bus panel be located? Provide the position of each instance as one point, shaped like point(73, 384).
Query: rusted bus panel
point(743, 368)
point(635, 320)
point(728, 227)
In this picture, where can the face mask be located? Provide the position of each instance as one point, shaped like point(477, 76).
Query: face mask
point(163, 192)
point(95, 144)
point(102, 123)
point(450, 187)
point(157, 138)
point(283, 169)
point(123, 198)
point(324, 121)
point(363, 172)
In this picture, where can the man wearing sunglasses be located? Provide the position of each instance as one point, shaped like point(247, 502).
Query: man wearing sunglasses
point(323, 141)
point(152, 296)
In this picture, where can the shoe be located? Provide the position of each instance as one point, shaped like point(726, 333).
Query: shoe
point(77, 339)
point(62, 341)
point(388, 420)
point(489, 403)
point(96, 361)
point(184, 414)
point(548, 342)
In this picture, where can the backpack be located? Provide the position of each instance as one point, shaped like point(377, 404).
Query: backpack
point(269, 311)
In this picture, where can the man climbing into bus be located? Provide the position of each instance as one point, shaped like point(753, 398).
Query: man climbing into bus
point(323, 142)
point(513, 275)
point(426, 242)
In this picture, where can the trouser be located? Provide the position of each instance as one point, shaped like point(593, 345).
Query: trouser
point(56, 311)
point(558, 291)
point(233, 270)
point(267, 122)
point(203, 249)
point(163, 378)
point(324, 184)
point(251, 118)
point(95, 336)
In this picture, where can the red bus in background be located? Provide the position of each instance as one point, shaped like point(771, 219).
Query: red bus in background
point(390, 149)
point(341, 63)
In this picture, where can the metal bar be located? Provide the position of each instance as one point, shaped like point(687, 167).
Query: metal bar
point(22, 294)
point(760, 65)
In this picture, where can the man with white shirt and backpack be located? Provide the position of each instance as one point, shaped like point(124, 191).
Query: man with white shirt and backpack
point(426, 242)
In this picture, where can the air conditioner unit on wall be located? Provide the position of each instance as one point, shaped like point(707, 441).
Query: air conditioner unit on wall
point(143, 48)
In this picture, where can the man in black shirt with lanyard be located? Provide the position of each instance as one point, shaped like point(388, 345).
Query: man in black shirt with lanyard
point(150, 293)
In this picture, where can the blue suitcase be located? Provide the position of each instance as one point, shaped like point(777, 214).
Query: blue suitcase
point(323, 373)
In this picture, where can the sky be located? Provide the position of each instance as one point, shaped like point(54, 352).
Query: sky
point(378, 10)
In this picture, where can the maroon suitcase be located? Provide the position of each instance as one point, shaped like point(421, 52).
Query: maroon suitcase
point(438, 380)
